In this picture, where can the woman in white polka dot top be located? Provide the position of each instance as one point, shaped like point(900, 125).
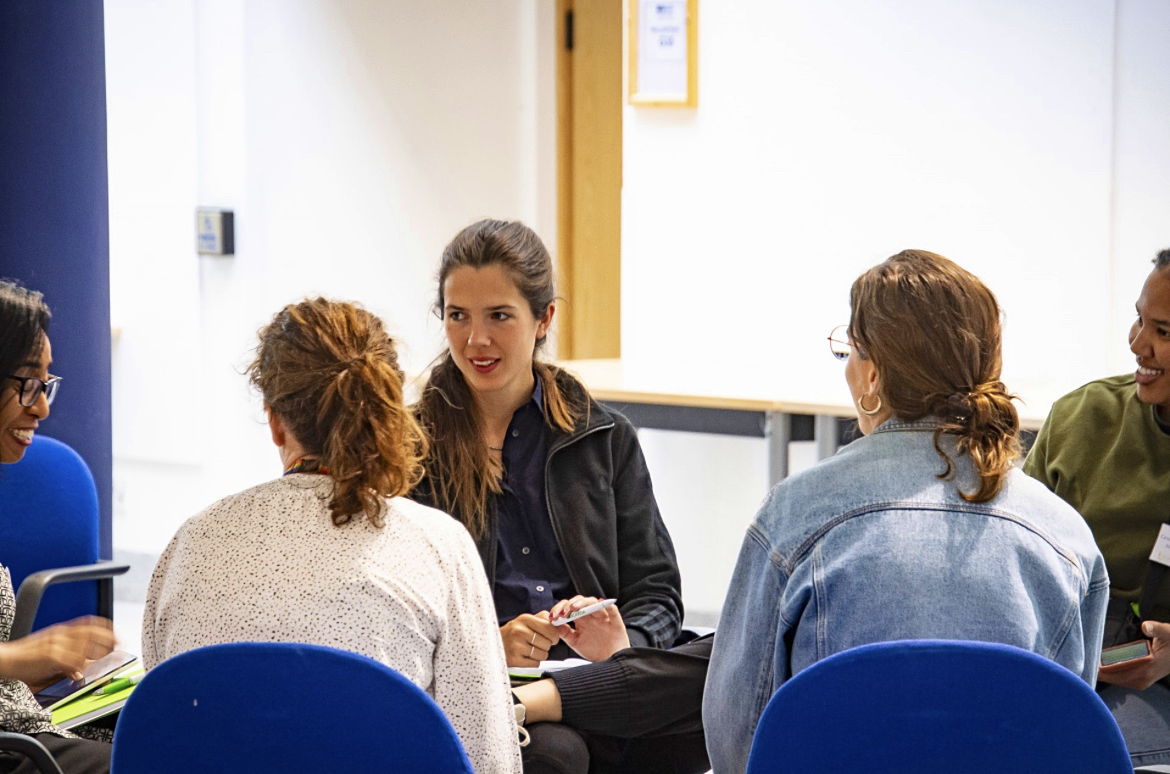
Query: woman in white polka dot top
point(331, 553)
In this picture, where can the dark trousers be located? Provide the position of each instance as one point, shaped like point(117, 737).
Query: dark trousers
point(74, 756)
point(640, 711)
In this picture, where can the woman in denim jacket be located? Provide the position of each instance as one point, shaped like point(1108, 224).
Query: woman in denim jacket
point(924, 528)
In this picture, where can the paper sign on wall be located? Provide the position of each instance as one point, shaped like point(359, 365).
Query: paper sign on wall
point(661, 67)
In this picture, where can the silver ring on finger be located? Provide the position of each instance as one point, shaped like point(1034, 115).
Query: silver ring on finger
point(531, 648)
point(533, 640)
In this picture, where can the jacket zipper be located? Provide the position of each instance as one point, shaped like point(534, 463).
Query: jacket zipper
point(548, 501)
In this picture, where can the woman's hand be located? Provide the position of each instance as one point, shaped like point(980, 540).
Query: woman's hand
point(528, 638)
point(62, 649)
point(596, 636)
point(1142, 676)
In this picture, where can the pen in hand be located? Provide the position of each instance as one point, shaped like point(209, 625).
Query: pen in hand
point(565, 618)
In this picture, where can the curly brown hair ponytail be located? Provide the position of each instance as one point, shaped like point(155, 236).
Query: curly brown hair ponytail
point(329, 370)
point(933, 330)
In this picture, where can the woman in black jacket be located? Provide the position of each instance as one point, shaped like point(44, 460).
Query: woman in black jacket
point(552, 486)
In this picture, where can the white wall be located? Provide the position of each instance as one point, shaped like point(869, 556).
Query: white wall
point(831, 135)
point(1141, 168)
point(159, 387)
point(352, 138)
point(838, 133)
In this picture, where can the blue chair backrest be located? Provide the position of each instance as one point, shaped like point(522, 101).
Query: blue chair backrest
point(48, 519)
point(281, 707)
point(937, 705)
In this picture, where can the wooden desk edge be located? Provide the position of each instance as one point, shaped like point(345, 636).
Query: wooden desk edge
point(718, 402)
point(614, 395)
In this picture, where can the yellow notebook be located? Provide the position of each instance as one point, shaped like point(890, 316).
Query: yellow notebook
point(93, 705)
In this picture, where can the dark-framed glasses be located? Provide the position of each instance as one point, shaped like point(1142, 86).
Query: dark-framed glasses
point(31, 388)
point(839, 342)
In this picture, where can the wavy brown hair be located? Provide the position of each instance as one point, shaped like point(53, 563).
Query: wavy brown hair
point(329, 370)
point(933, 330)
point(460, 469)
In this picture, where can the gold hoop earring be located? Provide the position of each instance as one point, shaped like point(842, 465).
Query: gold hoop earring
point(869, 412)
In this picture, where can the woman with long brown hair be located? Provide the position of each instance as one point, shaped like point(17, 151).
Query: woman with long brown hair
point(924, 528)
point(332, 553)
point(550, 484)
point(554, 490)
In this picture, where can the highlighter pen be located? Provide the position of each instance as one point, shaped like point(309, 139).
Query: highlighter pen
point(121, 684)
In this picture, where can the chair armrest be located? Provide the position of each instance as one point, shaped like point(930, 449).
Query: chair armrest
point(32, 749)
point(28, 598)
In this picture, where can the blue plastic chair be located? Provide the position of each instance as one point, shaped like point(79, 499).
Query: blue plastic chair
point(49, 526)
point(937, 705)
point(281, 707)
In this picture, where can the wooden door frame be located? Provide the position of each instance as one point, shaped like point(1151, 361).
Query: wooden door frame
point(586, 297)
point(564, 123)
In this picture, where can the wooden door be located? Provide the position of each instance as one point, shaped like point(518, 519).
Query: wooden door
point(589, 176)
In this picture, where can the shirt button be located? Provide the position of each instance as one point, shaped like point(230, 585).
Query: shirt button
point(526, 550)
point(540, 588)
point(515, 433)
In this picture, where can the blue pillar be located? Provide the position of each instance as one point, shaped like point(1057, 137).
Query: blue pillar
point(54, 213)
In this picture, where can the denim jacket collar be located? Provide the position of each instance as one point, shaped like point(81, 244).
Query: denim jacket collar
point(895, 423)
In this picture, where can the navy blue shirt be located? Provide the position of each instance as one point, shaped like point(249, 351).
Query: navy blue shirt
point(530, 571)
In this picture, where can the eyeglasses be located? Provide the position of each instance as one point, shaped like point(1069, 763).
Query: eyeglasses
point(839, 342)
point(31, 388)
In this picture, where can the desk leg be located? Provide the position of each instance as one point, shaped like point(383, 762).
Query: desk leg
point(825, 432)
point(777, 433)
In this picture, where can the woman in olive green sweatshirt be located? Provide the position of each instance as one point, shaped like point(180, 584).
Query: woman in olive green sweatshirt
point(1105, 449)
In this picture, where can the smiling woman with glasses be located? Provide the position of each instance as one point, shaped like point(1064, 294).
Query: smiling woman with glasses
point(46, 655)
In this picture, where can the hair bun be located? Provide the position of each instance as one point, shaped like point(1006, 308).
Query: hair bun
point(960, 405)
point(955, 406)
